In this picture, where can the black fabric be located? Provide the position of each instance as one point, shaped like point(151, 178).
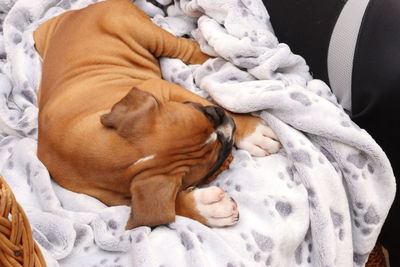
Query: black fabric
point(376, 95)
point(306, 26)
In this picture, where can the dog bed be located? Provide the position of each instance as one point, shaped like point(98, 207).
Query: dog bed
point(320, 201)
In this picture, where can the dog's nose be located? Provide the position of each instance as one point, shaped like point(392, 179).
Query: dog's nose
point(223, 123)
point(213, 114)
point(216, 114)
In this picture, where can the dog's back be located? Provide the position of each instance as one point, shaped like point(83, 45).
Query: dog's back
point(81, 47)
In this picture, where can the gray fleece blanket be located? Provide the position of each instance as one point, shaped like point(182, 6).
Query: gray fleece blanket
point(320, 201)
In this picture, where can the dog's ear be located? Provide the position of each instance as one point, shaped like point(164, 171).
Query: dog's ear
point(131, 112)
point(154, 200)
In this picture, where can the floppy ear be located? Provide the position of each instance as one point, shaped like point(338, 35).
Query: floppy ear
point(153, 200)
point(131, 112)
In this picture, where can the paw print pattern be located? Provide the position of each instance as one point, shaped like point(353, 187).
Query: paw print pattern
point(360, 259)
point(259, 246)
point(365, 219)
point(304, 250)
point(337, 220)
point(288, 176)
point(283, 208)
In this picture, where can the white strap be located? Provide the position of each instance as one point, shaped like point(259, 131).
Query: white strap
point(341, 50)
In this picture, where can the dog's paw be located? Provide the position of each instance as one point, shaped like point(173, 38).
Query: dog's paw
point(216, 206)
point(262, 142)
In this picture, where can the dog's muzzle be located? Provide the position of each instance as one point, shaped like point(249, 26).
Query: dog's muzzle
point(223, 124)
point(225, 128)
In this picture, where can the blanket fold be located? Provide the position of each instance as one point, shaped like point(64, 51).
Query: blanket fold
point(320, 201)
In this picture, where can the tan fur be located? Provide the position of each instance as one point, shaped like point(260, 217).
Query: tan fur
point(185, 206)
point(103, 106)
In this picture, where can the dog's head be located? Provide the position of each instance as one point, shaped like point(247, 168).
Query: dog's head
point(185, 138)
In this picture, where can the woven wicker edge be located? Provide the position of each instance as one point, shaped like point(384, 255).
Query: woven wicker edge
point(17, 247)
point(376, 257)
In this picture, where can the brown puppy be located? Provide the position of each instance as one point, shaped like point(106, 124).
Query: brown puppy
point(110, 127)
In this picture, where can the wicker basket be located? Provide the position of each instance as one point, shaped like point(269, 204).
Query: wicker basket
point(376, 258)
point(17, 247)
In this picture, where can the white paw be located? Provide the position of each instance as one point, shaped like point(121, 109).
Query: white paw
point(216, 206)
point(262, 142)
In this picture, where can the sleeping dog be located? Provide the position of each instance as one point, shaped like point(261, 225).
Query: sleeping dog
point(111, 128)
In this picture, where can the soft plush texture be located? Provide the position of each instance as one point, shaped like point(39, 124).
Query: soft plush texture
point(321, 201)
